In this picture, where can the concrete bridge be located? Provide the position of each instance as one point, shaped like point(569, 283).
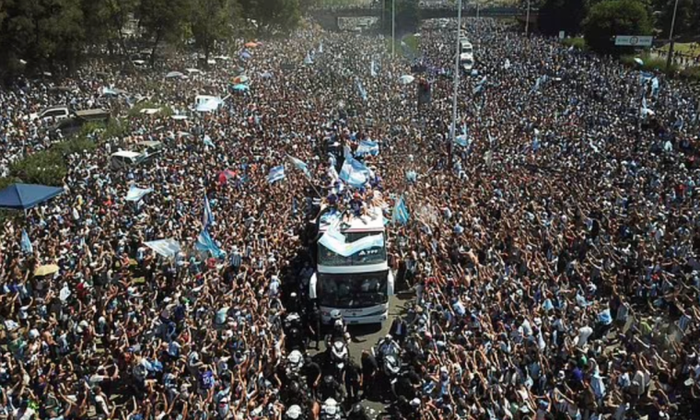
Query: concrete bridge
point(328, 17)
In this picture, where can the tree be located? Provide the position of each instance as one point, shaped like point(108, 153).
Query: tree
point(272, 15)
point(687, 17)
point(212, 21)
point(43, 33)
point(562, 15)
point(407, 16)
point(163, 20)
point(615, 17)
point(105, 21)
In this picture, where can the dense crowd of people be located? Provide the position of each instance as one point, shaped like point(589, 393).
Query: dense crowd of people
point(553, 259)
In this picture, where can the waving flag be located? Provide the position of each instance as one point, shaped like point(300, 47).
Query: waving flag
point(463, 140)
point(299, 164)
point(372, 69)
point(276, 174)
point(411, 176)
point(361, 89)
point(367, 147)
point(354, 172)
point(320, 47)
point(136, 194)
point(655, 87)
point(206, 244)
point(308, 59)
point(207, 216)
point(25, 243)
point(400, 214)
point(207, 141)
point(536, 141)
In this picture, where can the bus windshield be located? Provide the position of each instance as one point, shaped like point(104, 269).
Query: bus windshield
point(352, 290)
point(374, 255)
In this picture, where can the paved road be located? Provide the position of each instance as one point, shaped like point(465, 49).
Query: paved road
point(366, 336)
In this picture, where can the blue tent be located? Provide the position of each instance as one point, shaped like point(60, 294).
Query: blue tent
point(26, 196)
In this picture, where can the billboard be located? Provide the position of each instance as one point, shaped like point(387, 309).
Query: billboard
point(633, 41)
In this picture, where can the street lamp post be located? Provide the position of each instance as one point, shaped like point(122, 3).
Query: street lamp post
point(670, 38)
point(527, 19)
point(393, 28)
point(477, 21)
point(453, 136)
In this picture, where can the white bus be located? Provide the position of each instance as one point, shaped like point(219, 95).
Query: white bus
point(359, 282)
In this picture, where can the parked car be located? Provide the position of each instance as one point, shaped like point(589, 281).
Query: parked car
point(72, 124)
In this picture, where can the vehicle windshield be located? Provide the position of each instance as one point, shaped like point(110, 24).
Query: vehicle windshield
point(352, 290)
point(374, 255)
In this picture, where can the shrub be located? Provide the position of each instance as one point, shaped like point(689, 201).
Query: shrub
point(578, 43)
point(651, 63)
point(47, 167)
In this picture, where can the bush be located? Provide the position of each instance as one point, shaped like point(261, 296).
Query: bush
point(578, 43)
point(47, 167)
point(651, 63)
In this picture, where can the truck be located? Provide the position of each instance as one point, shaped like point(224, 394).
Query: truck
point(352, 272)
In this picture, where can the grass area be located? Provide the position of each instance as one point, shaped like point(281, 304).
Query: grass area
point(684, 48)
point(578, 43)
point(651, 63)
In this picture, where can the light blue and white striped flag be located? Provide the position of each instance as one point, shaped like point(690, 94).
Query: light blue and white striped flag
point(207, 141)
point(372, 69)
point(463, 139)
point(354, 172)
point(299, 164)
point(367, 147)
point(400, 214)
point(206, 244)
point(207, 216)
point(276, 174)
point(25, 243)
point(361, 89)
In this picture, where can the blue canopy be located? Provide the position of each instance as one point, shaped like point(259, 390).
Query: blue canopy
point(26, 196)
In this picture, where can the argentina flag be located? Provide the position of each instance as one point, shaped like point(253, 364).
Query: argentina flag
point(276, 174)
point(207, 216)
point(206, 244)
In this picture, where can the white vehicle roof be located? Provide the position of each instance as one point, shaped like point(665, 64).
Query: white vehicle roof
point(126, 154)
point(374, 222)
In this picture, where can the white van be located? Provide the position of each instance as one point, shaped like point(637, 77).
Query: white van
point(124, 159)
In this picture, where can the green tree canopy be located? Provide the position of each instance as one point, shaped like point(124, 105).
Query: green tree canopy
point(212, 21)
point(687, 17)
point(164, 20)
point(47, 34)
point(562, 15)
point(272, 15)
point(407, 16)
point(615, 17)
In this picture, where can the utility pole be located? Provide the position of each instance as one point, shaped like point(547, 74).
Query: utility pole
point(669, 57)
point(453, 136)
point(393, 28)
point(527, 20)
point(477, 20)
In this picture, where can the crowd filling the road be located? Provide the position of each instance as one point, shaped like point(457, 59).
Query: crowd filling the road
point(553, 261)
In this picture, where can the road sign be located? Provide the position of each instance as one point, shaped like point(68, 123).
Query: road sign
point(633, 41)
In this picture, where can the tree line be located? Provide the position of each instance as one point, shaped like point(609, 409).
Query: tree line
point(56, 35)
point(600, 20)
